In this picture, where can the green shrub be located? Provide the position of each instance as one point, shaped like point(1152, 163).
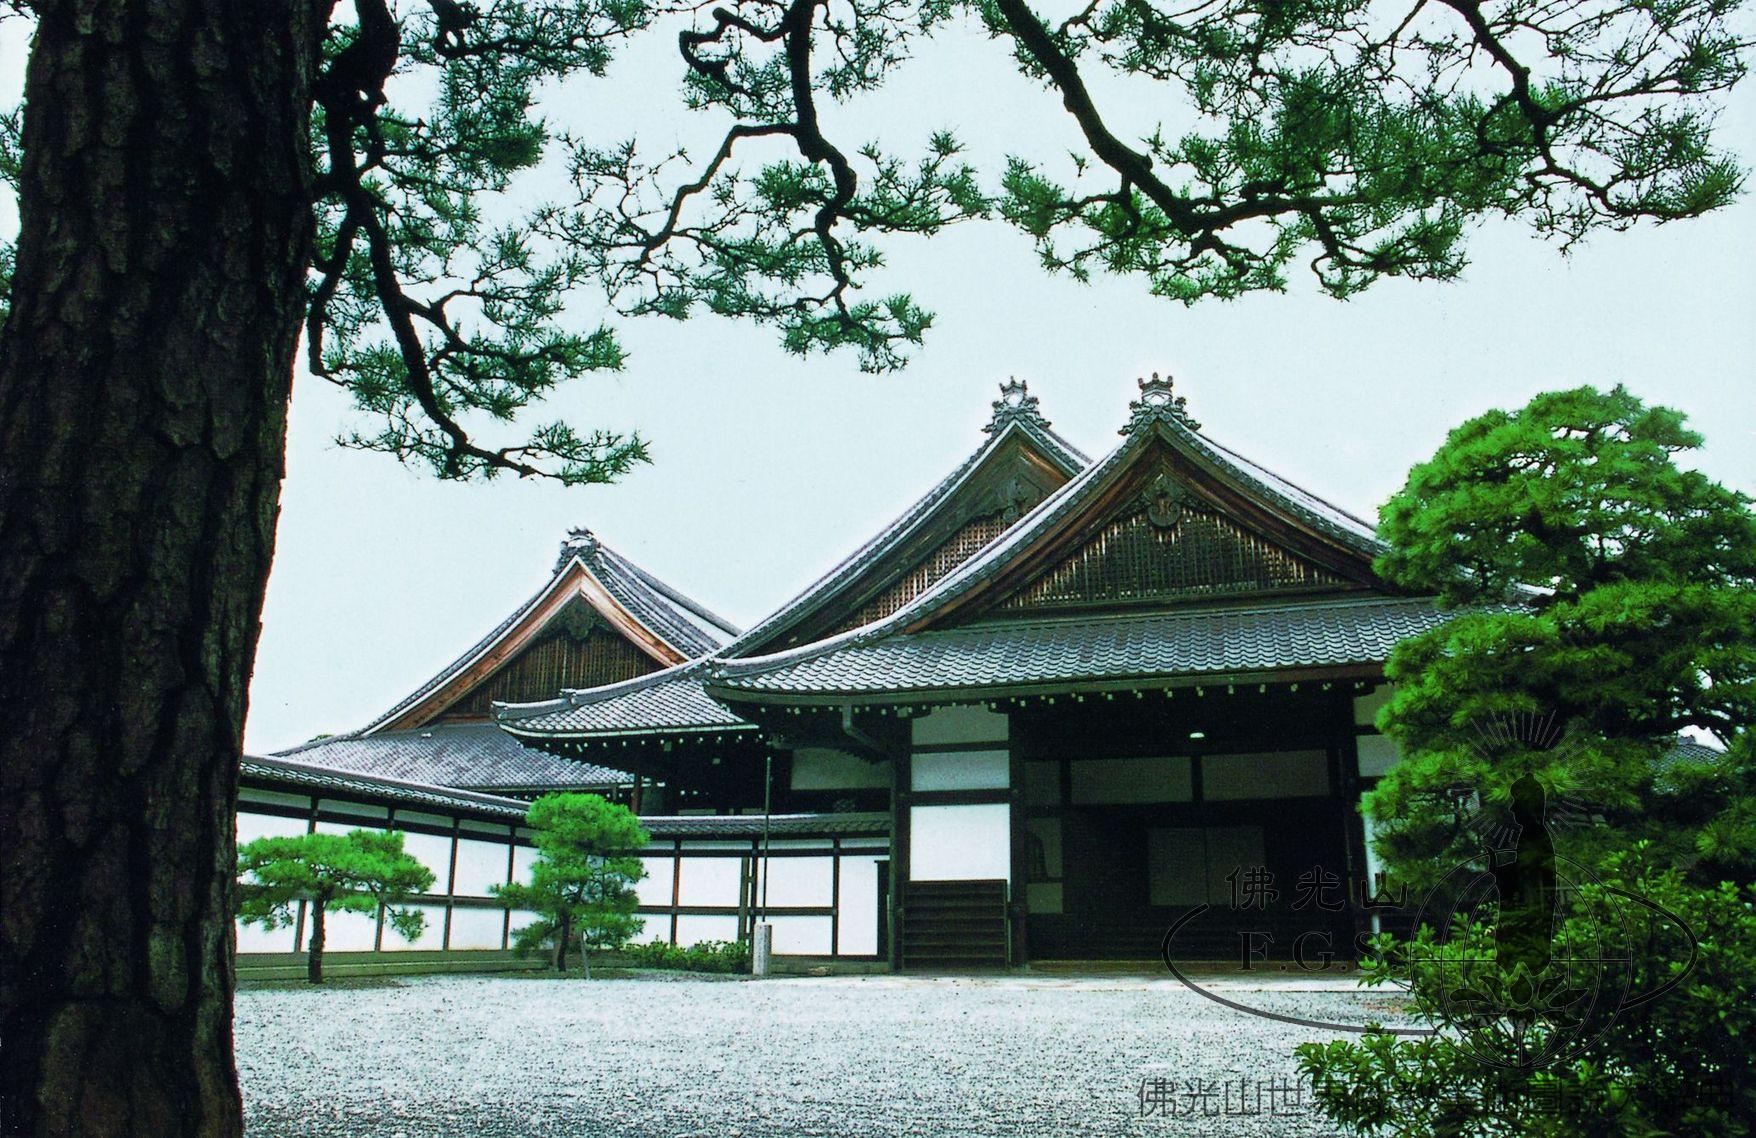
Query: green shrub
point(730, 956)
point(1681, 1064)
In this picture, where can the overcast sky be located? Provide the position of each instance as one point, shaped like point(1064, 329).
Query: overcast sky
point(767, 469)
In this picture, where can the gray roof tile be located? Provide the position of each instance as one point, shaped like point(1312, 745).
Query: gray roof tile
point(667, 702)
point(466, 755)
point(827, 587)
point(1187, 642)
point(751, 825)
point(323, 780)
point(680, 622)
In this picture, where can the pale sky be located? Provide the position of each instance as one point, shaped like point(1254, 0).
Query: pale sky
point(767, 469)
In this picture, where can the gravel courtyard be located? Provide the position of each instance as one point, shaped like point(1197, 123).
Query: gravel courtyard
point(663, 1055)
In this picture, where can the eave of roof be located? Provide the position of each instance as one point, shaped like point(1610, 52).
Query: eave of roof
point(328, 780)
point(754, 825)
point(671, 702)
point(475, 756)
point(1346, 636)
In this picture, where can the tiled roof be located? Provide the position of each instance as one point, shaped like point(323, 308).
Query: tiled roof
point(778, 825)
point(327, 780)
point(687, 627)
point(668, 702)
point(826, 587)
point(467, 755)
point(1068, 498)
point(882, 657)
point(1188, 642)
point(1326, 516)
point(1688, 751)
point(675, 701)
point(679, 621)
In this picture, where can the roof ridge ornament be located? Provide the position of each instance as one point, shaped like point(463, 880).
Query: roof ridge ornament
point(1158, 403)
point(579, 542)
point(1015, 405)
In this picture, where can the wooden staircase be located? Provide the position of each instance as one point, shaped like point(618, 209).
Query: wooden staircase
point(954, 925)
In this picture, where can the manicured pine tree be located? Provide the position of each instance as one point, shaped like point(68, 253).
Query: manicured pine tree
point(1608, 592)
point(361, 871)
point(582, 885)
point(1609, 601)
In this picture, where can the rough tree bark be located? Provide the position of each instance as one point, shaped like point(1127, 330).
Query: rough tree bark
point(144, 376)
point(561, 943)
point(314, 947)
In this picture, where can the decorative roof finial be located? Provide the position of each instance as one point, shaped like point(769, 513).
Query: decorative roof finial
point(579, 542)
point(1158, 402)
point(1016, 404)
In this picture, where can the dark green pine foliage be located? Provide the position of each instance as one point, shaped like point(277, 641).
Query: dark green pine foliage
point(361, 871)
point(454, 285)
point(582, 884)
point(1610, 602)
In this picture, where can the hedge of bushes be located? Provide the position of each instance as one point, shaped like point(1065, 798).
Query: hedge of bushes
point(702, 956)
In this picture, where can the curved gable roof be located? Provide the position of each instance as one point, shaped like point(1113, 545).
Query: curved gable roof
point(1016, 421)
point(675, 701)
point(1360, 631)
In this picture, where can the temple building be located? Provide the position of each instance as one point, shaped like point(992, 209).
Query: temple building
point(1052, 708)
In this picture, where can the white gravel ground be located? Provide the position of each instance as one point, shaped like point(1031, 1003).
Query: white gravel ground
point(862, 1057)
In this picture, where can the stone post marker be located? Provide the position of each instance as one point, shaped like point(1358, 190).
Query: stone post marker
point(761, 949)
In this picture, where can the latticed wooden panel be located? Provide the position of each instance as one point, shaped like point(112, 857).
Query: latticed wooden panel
point(1202, 554)
point(948, 555)
point(559, 660)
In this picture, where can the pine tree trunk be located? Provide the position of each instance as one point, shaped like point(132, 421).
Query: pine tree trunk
point(565, 931)
point(144, 375)
point(314, 950)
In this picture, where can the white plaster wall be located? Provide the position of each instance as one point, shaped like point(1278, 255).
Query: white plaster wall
point(480, 864)
point(708, 881)
point(434, 852)
point(692, 929)
point(252, 938)
point(347, 932)
point(477, 928)
point(959, 725)
point(253, 826)
point(431, 939)
point(655, 887)
point(859, 905)
point(960, 770)
point(802, 936)
point(1366, 706)
point(960, 843)
point(798, 881)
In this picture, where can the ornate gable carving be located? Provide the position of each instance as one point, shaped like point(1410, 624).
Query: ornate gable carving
point(1168, 543)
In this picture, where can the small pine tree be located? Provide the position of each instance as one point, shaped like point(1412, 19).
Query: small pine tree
point(360, 871)
point(582, 885)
